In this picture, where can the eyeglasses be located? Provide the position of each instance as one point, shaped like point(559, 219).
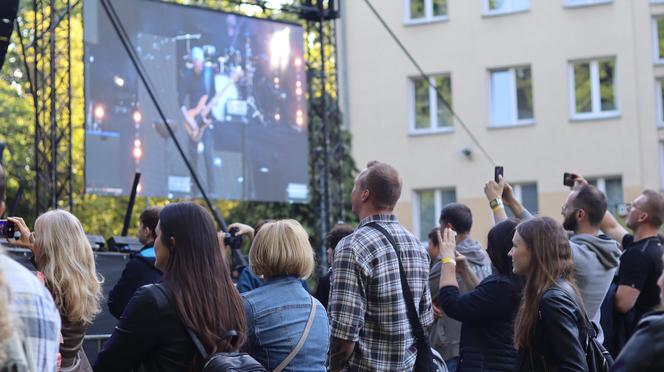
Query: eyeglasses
point(632, 205)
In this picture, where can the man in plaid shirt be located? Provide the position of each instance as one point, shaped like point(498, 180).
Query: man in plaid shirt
point(369, 323)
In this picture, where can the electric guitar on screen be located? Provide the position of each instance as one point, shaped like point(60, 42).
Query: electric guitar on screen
point(197, 119)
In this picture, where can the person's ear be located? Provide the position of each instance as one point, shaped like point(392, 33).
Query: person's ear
point(580, 214)
point(365, 195)
point(171, 242)
point(643, 217)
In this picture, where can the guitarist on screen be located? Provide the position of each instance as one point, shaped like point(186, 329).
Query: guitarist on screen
point(196, 88)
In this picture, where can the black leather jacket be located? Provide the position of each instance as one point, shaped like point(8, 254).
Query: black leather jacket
point(556, 341)
point(149, 337)
point(644, 352)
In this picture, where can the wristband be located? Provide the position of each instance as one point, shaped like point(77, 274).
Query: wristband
point(445, 260)
point(496, 204)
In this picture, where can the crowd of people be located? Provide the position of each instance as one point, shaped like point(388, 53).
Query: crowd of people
point(542, 296)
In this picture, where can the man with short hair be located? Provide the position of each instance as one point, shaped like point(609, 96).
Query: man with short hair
point(140, 270)
point(640, 264)
point(370, 330)
point(37, 317)
point(446, 333)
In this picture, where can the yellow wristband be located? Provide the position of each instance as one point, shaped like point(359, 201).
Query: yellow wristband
point(445, 260)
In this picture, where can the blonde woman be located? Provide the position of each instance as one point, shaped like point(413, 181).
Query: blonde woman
point(279, 310)
point(62, 254)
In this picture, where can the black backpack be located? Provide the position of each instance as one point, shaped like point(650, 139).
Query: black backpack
point(223, 361)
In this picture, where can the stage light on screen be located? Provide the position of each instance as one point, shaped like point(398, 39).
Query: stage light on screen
point(299, 121)
point(137, 116)
point(298, 62)
point(139, 188)
point(119, 81)
point(277, 117)
point(298, 91)
point(100, 112)
point(280, 49)
point(137, 143)
point(138, 153)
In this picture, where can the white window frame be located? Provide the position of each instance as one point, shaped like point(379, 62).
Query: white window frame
point(657, 59)
point(659, 84)
point(516, 122)
point(428, 14)
point(587, 3)
point(438, 207)
point(596, 99)
point(490, 12)
point(433, 107)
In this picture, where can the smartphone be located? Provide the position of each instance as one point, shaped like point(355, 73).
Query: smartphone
point(7, 229)
point(568, 179)
point(497, 173)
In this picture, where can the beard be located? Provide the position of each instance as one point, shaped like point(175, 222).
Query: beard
point(570, 223)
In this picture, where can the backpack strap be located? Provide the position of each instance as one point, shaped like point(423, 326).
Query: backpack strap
point(303, 338)
point(192, 335)
point(411, 312)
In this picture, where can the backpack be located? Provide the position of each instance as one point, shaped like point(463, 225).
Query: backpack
point(223, 361)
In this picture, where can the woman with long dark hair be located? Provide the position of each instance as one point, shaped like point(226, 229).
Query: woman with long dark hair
point(196, 292)
point(487, 312)
point(546, 331)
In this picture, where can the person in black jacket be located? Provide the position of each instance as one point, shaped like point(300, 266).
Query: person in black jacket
point(546, 332)
point(196, 292)
point(487, 312)
point(644, 352)
point(140, 269)
point(338, 232)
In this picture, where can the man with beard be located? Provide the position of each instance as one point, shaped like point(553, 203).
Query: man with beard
point(595, 256)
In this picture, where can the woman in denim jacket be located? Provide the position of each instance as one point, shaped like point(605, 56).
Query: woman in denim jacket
point(277, 312)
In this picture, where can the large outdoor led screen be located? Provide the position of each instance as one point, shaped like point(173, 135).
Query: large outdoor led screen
point(232, 88)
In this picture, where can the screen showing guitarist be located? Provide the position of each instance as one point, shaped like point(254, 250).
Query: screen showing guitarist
point(196, 88)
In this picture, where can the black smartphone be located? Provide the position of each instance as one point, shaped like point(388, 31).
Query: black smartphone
point(497, 173)
point(7, 229)
point(568, 179)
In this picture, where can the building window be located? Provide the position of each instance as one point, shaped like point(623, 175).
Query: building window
point(505, 6)
point(427, 207)
point(660, 103)
point(661, 166)
point(429, 113)
point(613, 189)
point(593, 85)
point(511, 97)
point(658, 39)
point(573, 3)
point(526, 194)
point(425, 10)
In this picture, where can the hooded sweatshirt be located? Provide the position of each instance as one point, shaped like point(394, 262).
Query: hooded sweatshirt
point(446, 332)
point(596, 260)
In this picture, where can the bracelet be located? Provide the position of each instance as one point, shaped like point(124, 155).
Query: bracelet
point(445, 260)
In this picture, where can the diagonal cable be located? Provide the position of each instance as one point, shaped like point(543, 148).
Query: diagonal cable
point(428, 80)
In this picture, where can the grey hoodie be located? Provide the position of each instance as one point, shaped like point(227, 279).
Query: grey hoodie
point(596, 259)
point(446, 332)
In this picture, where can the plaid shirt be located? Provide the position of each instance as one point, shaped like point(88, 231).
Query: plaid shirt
point(366, 299)
point(35, 313)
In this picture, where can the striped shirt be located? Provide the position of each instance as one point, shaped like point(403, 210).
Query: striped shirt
point(36, 314)
point(366, 299)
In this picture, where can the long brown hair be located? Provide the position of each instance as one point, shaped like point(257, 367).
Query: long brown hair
point(551, 260)
point(197, 274)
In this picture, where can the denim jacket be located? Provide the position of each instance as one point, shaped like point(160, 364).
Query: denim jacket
point(277, 313)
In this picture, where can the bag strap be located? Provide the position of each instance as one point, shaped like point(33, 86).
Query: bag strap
point(303, 338)
point(413, 319)
point(192, 335)
point(590, 332)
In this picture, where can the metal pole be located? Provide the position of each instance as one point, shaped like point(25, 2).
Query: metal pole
point(69, 126)
point(36, 87)
point(325, 223)
point(53, 121)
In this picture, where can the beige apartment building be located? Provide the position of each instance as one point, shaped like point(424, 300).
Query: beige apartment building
point(545, 86)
